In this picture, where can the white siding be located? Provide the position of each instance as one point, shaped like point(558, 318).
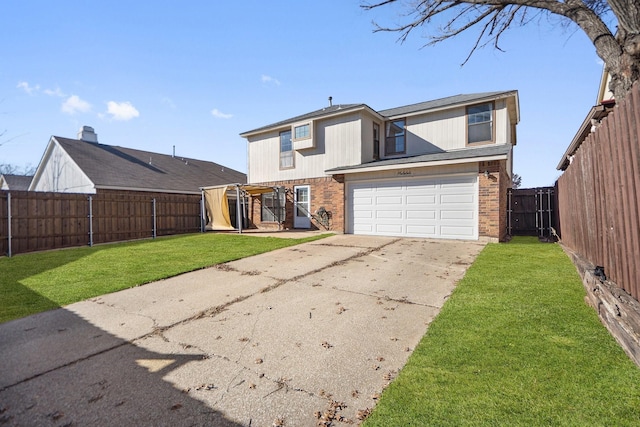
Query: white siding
point(338, 143)
point(431, 133)
point(447, 130)
point(59, 173)
point(503, 124)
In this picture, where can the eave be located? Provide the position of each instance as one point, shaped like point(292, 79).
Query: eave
point(598, 113)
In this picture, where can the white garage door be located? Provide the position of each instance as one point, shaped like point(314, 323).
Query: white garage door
point(442, 207)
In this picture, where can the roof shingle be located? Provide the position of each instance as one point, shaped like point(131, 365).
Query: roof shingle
point(110, 166)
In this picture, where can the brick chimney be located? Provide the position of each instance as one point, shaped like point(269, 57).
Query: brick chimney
point(87, 134)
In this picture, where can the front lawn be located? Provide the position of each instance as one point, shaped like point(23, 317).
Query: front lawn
point(515, 345)
point(36, 282)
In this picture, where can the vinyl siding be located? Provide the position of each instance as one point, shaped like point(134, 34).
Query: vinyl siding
point(338, 143)
point(60, 174)
point(447, 130)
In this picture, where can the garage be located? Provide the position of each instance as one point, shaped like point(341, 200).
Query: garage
point(437, 207)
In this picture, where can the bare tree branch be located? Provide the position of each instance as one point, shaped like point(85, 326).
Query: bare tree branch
point(492, 18)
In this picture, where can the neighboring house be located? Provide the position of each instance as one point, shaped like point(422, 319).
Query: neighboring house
point(15, 182)
point(435, 169)
point(85, 166)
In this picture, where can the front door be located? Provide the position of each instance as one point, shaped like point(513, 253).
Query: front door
point(302, 206)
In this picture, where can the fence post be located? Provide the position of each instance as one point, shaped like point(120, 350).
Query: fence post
point(154, 218)
point(509, 209)
point(549, 190)
point(202, 207)
point(90, 221)
point(9, 223)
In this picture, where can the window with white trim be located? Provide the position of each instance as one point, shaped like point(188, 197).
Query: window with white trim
point(286, 150)
point(302, 131)
point(480, 123)
point(395, 137)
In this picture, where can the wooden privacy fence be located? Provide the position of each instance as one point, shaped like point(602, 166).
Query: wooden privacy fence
point(35, 221)
point(599, 196)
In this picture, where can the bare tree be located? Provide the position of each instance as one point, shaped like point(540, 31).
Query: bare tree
point(620, 50)
point(10, 169)
point(516, 181)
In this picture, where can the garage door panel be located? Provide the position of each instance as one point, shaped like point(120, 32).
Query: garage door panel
point(444, 207)
point(421, 188)
point(388, 200)
point(421, 230)
point(388, 188)
point(389, 214)
point(363, 214)
point(456, 198)
point(421, 214)
point(393, 229)
point(421, 199)
point(456, 214)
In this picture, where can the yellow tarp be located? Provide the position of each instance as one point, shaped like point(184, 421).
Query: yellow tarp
point(217, 207)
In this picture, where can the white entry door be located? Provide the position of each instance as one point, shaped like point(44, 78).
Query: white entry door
point(302, 208)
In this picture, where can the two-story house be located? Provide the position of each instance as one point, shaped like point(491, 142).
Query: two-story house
point(434, 169)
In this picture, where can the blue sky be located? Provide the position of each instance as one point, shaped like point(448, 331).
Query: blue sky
point(195, 74)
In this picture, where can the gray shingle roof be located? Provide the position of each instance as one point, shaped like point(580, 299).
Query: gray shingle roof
point(391, 112)
point(119, 167)
point(18, 182)
point(312, 115)
point(467, 153)
point(442, 102)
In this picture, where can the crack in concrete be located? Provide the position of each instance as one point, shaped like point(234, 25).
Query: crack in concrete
point(210, 312)
point(388, 298)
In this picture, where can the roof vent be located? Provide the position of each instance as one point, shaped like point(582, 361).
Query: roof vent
point(87, 134)
point(331, 101)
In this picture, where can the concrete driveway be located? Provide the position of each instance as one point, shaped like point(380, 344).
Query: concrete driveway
point(300, 336)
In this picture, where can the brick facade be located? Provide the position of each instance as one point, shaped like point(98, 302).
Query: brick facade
point(327, 192)
point(492, 199)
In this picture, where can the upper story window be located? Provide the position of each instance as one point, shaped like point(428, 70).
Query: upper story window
point(302, 131)
point(480, 123)
point(286, 150)
point(395, 137)
point(376, 141)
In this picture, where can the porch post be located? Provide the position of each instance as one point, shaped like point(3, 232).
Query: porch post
point(238, 214)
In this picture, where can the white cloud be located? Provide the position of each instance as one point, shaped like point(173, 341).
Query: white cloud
point(219, 114)
point(27, 88)
point(74, 104)
point(54, 92)
point(269, 80)
point(122, 110)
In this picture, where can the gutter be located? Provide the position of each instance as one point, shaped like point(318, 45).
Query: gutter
point(395, 166)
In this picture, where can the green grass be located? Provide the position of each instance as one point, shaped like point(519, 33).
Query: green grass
point(515, 345)
point(32, 283)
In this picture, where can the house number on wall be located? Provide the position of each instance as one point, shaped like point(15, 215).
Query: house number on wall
point(404, 173)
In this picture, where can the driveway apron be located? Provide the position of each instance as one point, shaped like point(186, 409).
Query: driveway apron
point(302, 336)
